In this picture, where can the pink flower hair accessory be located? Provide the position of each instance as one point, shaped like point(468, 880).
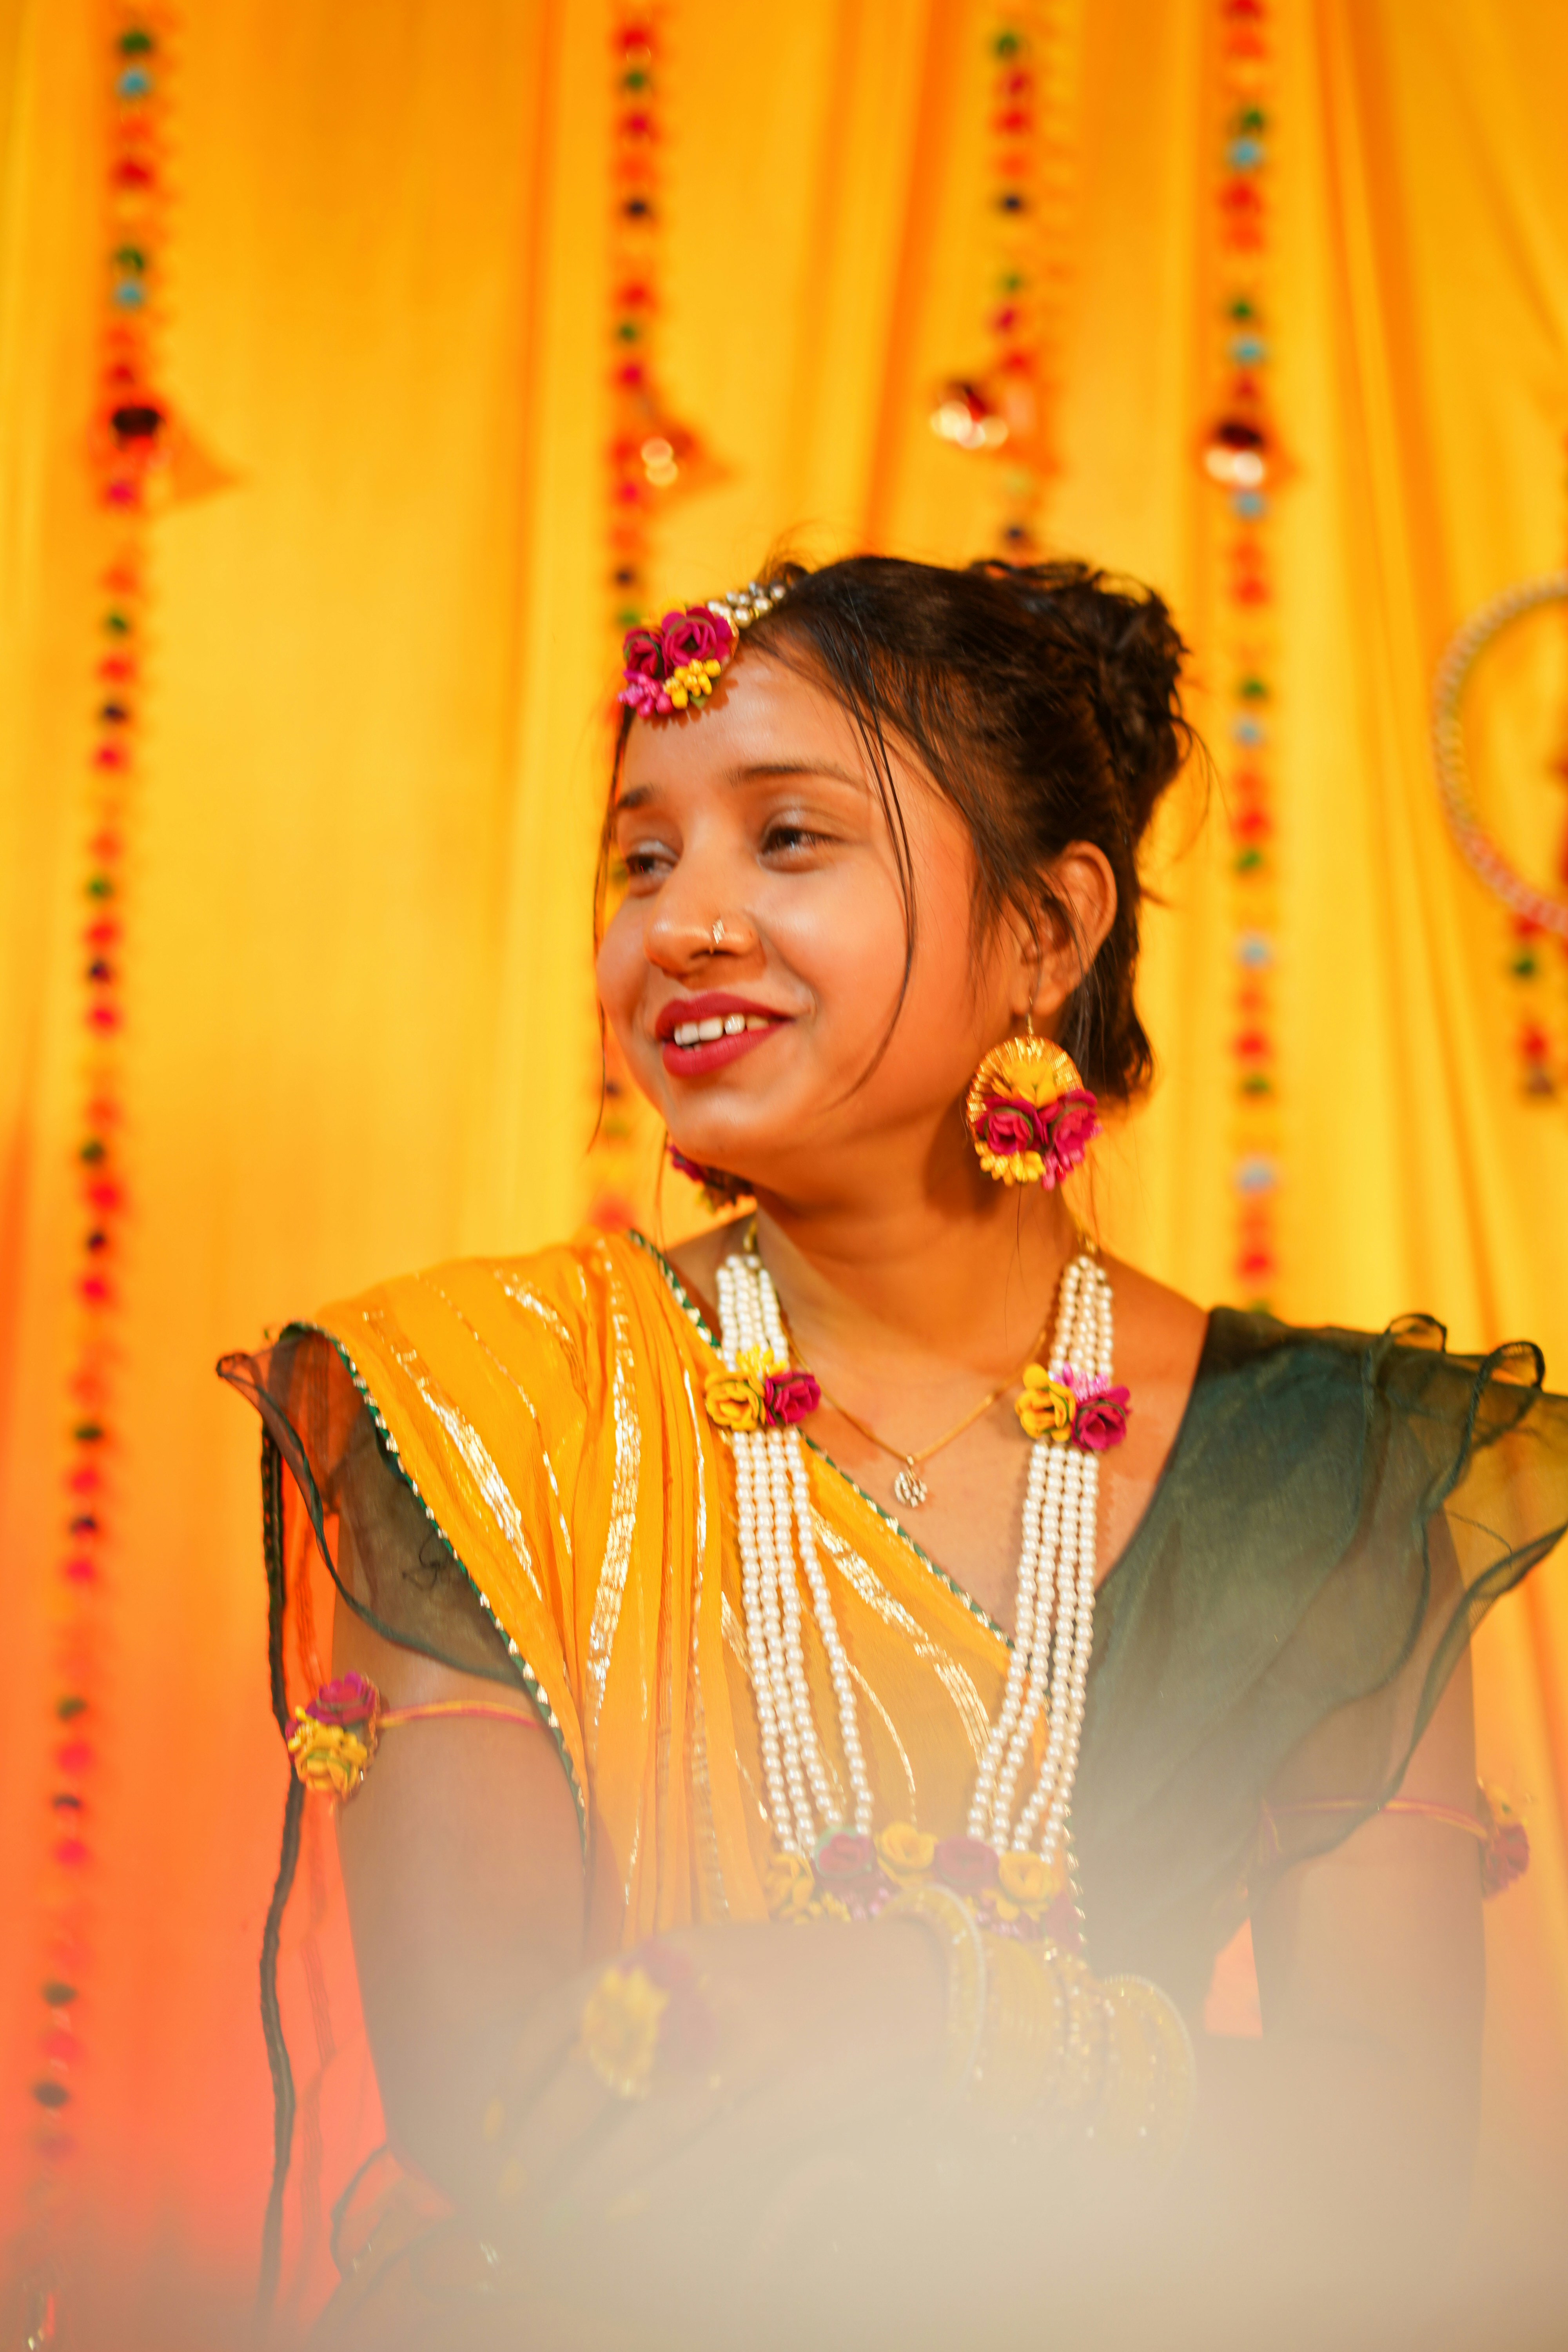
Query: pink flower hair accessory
point(671, 665)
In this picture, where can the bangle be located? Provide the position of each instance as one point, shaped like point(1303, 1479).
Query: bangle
point(1087, 2040)
point(948, 1920)
point(1021, 2057)
point(1151, 2097)
point(1112, 2058)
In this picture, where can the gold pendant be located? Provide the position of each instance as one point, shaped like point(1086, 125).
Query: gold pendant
point(909, 1488)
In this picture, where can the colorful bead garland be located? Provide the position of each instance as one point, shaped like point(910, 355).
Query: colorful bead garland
point(130, 451)
point(641, 462)
point(1009, 408)
point(1243, 458)
point(651, 458)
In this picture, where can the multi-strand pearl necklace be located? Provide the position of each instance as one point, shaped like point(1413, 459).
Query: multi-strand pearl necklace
point(771, 1491)
point(1054, 1629)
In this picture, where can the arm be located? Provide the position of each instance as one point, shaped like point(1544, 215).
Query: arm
point(1361, 2100)
point(463, 1870)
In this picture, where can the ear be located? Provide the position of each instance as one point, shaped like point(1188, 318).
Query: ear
point(1052, 960)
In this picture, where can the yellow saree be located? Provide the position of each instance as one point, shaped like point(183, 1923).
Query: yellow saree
point(519, 1450)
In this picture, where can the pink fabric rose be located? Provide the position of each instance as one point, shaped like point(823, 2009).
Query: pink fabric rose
point(351, 1700)
point(1505, 1856)
point(844, 1855)
point(642, 654)
point(790, 1396)
point(697, 634)
point(966, 1863)
point(1007, 1124)
point(1100, 1422)
point(645, 697)
point(1072, 1127)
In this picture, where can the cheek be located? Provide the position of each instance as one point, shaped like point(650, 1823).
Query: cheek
point(845, 938)
point(620, 967)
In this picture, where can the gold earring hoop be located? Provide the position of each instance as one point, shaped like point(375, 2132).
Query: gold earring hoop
point(1029, 1115)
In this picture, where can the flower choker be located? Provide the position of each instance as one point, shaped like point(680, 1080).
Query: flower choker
point(672, 667)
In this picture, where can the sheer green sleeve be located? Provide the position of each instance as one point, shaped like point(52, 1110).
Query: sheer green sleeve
point(1339, 1513)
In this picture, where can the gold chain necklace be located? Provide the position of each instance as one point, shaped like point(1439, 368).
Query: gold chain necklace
point(910, 1489)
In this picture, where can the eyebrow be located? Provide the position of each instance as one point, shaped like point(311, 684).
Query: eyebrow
point(756, 771)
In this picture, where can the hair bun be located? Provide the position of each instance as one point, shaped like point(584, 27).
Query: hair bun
point(1129, 654)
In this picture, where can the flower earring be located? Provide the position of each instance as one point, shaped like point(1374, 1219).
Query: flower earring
point(720, 1189)
point(1030, 1117)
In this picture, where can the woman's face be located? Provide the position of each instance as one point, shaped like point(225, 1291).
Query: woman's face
point(760, 814)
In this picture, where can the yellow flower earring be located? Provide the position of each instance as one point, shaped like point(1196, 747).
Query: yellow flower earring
point(1030, 1117)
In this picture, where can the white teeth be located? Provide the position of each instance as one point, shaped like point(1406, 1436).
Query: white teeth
point(702, 1032)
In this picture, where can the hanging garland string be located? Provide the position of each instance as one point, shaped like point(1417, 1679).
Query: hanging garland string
point(130, 451)
point(652, 458)
point(641, 459)
point(1243, 458)
point(1008, 407)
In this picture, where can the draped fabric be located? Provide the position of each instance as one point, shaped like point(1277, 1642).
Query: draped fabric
point(508, 1464)
point(360, 1024)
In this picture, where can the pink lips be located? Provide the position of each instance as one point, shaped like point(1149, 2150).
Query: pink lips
point(712, 1052)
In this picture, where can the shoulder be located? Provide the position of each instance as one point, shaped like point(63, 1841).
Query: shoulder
point(1163, 1327)
point(563, 1306)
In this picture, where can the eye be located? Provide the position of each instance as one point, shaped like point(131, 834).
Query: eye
point(786, 838)
point(647, 861)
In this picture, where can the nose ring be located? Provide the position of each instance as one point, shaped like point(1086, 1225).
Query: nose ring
point(718, 930)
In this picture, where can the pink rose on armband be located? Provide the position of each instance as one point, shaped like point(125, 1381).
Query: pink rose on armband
point(349, 1701)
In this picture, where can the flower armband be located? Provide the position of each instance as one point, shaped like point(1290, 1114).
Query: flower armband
point(336, 1734)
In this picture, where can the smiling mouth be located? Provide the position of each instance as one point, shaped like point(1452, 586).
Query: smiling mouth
point(704, 1032)
point(709, 1031)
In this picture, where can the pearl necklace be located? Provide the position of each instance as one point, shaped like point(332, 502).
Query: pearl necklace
point(1049, 1669)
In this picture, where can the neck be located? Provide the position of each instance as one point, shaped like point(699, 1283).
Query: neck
point(961, 1272)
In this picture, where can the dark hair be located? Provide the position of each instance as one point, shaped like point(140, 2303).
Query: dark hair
point(1043, 700)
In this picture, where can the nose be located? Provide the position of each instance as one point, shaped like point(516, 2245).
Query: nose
point(697, 917)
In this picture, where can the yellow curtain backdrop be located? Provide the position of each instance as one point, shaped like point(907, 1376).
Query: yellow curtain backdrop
point(361, 1030)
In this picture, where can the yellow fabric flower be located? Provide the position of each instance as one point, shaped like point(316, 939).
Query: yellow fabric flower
point(792, 1884)
point(737, 1399)
point(619, 2030)
point(904, 1850)
point(1012, 1167)
point(691, 682)
point(1048, 1408)
point(1029, 1879)
point(329, 1758)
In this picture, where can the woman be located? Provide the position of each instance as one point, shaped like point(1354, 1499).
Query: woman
point(888, 1568)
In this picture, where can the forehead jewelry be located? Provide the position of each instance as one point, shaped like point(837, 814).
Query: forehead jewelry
point(671, 665)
